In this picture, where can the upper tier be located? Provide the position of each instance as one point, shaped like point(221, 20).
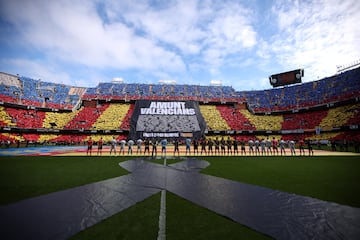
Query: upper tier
point(337, 88)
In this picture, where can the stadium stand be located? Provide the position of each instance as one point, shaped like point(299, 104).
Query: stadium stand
point(355, 119)
point(26, 118)
point(112, 117)
point(266, 122)
point(30, 92)
point(5, 137)
point(134, 91)
point(10, 88)
point(234, 118)
point(125, 125)
point(292, 112)
point(46, 138)
point(337, 88)
point(338, 116)
point(69, 139)
point(58, 120)
point(86, 117)
point(306, 120)
point(213, 118)
point(5, 119)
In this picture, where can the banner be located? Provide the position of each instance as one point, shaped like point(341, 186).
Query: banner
point(166, 119)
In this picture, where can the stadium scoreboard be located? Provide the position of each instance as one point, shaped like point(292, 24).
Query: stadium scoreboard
point(286, 78)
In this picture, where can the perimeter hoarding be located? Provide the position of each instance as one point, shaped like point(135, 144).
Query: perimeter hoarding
point(166, 119)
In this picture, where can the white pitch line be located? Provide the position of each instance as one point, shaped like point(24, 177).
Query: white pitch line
point(162, 215)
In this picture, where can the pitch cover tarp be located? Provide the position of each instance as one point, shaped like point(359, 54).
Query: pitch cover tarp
point(166, 119)
point(272, 212)
point(277, 214)
point(60, 215)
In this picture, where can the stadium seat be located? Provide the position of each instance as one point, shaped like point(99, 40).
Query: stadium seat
point(5, 119)
point(217, 112)
point(336, 88)
point(126, 120)
point(306, 120)
point(86, 117)
point(58, 120)
point(235, 119)
point(338, 116)
point(25, 118)
point(264, 122)
point(112, 117)
point(213, 118)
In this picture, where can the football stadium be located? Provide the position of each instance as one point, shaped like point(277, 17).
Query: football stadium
point(163, 160)
point(165, 134)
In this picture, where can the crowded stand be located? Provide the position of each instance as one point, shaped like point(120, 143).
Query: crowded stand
point(58, 120)
point(213, 118)
point(30, 92)
point(340, 87)
point(328, 109)
point(234, 118)
point(112, 117)
point(339, 116)
point(266, 122)
point(26, 118)
point(305, 120)
point(5, 119)
point(86, 117)
point(135, 91)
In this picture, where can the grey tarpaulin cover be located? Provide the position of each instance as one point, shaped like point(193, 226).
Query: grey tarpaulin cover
point(280, 215)
point(61, 214)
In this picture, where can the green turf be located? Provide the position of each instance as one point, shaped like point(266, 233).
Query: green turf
point(185, 220)
point(331, 178)
point(24, 177)
point(140, 221)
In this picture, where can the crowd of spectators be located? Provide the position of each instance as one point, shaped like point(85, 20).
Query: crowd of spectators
point(31, 92)
point(133, 91)
point(332, 89)
point(336, 88)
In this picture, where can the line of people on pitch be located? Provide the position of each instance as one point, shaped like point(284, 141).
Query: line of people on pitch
point(147, 143)
point(139, 143)
point(153, 143)
point(255, 147)
point(207, 146)
point(113, 146)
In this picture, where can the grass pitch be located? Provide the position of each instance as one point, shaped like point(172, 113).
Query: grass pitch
point(329, 178)
point(24, 177)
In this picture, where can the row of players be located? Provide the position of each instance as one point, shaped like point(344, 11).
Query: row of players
point(207, 146)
